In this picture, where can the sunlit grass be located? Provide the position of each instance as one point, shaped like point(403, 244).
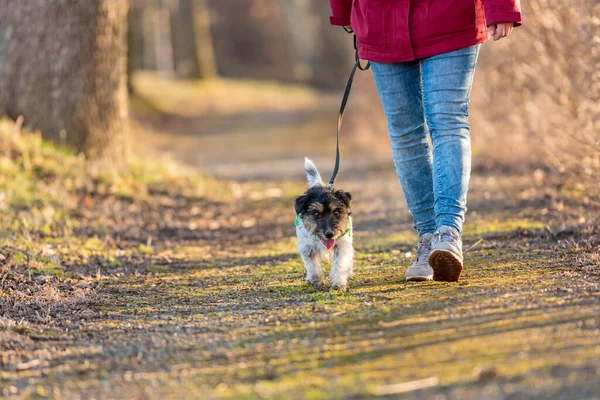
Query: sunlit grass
point(219, 96)
point(268, 334)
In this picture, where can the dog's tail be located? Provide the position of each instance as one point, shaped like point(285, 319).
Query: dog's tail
point(312, 174)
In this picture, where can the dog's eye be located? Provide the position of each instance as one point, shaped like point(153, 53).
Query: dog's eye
point(316, 213)
point(336, 213)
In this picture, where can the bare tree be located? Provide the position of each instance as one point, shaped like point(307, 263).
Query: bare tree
point(249, 40)
point(184, 40)
point(203, 36)
point(63, 68)
point(323, 53)
point(335, 51)
point(192, 40)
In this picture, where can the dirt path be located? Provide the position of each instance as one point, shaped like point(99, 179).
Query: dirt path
point(219, 309)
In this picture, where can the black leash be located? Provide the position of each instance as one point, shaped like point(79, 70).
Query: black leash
point(357, 65)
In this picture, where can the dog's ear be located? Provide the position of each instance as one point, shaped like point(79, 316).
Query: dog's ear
point(345, 197)
point(301, 203)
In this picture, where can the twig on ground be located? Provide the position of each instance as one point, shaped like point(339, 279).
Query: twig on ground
point(477, 243)
point(407, 386)
point(29, 364)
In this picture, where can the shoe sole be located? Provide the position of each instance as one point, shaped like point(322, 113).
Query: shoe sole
point(446, 266)
point(418, 279)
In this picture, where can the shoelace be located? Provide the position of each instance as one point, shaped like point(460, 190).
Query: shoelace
point(444, 236)
point(424, 247)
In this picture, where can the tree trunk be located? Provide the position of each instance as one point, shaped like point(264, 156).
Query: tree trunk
point(207, 66)
point(323, 53)
point(301, 35)
point(249, 40)
point(132, 48)
point(63, 67)
point(184, 41)
point(335, 52)
point(161, 23)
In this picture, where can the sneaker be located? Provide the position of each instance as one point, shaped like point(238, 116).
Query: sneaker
point(420, 269)
point(446, 258)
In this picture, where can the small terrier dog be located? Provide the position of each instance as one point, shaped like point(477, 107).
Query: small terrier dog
point(324, 229)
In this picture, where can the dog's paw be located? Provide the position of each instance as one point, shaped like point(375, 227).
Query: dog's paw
point(340, 287)
point(318, 284)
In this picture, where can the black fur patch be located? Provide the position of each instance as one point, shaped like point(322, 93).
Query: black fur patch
point(324, 211)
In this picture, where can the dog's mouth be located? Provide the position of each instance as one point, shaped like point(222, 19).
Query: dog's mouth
point(329, 243)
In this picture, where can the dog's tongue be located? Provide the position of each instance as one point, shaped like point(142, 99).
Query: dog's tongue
point(329, 243)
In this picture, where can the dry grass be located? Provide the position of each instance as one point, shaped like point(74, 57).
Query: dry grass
point(220, 96)
point(536, 98)
point(68, 223)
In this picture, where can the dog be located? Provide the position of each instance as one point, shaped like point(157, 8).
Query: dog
point(324, 230)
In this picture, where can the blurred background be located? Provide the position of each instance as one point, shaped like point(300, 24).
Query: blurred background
point(244, 89)
point(534, 104)
point(278, 68)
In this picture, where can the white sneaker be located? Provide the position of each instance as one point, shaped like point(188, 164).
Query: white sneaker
point(420, 269)
point(446, 258)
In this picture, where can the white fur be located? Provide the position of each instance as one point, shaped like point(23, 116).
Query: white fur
point(312, 174)
point(313, 251)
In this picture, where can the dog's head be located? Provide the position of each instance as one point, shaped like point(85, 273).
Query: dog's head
point(324, 213)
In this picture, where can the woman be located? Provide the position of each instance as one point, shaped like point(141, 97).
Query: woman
point(423, 55)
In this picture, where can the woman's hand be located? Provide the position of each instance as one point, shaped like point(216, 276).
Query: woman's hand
point(498, 31)
point(348, 28)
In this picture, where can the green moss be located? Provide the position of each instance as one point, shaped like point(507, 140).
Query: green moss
point(23, 330)
point(482, 227)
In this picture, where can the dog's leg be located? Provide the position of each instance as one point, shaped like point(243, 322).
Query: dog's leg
point(314, 272)
point(343, 261)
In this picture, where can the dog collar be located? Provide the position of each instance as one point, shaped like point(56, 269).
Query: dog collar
point(298, 222)
point(348, 229)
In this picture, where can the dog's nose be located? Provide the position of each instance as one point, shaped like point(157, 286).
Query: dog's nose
point(328, 235)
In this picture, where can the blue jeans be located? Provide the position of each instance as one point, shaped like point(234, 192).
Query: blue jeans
point(430, 98)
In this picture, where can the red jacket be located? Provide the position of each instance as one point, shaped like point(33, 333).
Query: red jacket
point(405, 30)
